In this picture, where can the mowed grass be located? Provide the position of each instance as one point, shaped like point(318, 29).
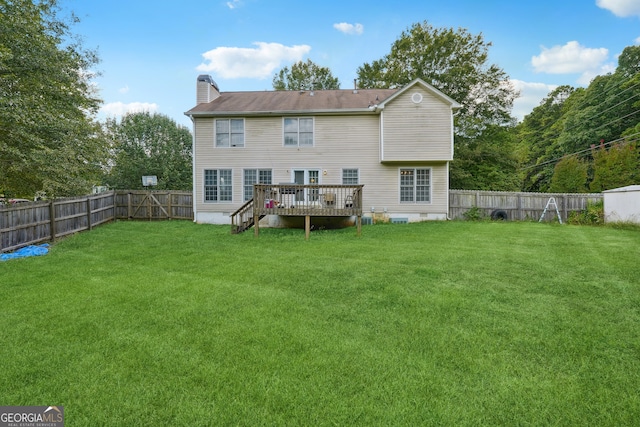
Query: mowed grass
point(438, 323)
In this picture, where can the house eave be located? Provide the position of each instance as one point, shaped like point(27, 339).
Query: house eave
point(340, 112)
point(413, 161)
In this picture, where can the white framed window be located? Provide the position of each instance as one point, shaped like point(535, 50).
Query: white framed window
point(218, 185)
point(229, 132)
point(298, 131)
point(255, 176)
point(415, 185)
point(350, 176)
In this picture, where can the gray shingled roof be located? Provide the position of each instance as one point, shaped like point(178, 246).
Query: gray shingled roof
point(285, 101)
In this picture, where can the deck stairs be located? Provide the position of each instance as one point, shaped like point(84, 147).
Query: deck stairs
point(242, 219)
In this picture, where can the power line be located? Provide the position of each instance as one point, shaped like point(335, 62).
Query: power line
point(604, 111)
point(615, 120)
point(599, 127)
point(611, 89)
point(579, 152)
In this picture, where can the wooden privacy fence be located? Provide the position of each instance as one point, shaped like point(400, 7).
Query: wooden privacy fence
point(28, 223)
point(518, 206)
point(154, 205)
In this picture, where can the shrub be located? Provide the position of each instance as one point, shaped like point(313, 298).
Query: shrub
point(592, 215)
point(569, 176)
point(474, 214)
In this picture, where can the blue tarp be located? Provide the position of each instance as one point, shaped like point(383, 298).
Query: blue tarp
point(31, 250)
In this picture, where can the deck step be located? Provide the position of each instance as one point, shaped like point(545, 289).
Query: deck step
point(248, 223)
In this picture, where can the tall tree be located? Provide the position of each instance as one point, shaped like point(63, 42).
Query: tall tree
point(570, 121)
point(149, 144)
point(456, 63)
point(305, 76)
point(604, 112)
point(538, 134)
point(487, 162)
point(49, 138)
point(615, 167)
point(453, 61)
point(569, 176)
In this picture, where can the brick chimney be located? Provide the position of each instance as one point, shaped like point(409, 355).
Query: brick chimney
point(207, 90)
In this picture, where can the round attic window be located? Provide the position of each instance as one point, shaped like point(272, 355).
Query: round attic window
point(416, 98)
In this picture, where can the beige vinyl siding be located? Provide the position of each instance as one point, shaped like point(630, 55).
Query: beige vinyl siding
point(416, 131)
point(382, 189)
point(339, 142)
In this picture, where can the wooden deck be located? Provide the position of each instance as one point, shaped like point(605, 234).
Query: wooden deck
point(288, 199)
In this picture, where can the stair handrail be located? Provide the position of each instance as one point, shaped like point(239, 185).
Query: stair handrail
point(241, 211)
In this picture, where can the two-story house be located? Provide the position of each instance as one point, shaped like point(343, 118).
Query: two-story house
point(397, 143)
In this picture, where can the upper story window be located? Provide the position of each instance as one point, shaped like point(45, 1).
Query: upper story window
point(415, 185)
point(229, 132)
point(298, 132)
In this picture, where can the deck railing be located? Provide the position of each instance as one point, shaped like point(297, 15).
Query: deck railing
point(307, 200)
point(290, 199)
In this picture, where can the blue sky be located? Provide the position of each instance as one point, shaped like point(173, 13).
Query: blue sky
point(152, 51)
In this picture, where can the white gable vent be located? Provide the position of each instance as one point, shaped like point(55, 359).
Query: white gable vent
point(416, 98)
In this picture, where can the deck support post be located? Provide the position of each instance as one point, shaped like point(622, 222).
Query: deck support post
point(307, 227)
point(359, 224)
point(256, 223)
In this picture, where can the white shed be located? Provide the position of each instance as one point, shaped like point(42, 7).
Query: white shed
point(622, 204)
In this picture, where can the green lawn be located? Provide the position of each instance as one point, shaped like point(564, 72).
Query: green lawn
point(438, 323)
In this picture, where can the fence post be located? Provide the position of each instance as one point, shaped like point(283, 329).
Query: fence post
point(89, 213)
point(519, 207)
point(129, 214)
point(149, 205)
point(52, 218)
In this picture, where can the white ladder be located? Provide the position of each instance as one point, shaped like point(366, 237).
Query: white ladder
point(551, 202)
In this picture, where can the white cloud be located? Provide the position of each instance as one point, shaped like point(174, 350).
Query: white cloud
point(233, 4)
point(568, 59)
point(531, 94)
point(119, 109)
point(637, 41)
point(349, 28)
point(259, 62)
point(621, 8)
point(124, 89)
point(589, 75)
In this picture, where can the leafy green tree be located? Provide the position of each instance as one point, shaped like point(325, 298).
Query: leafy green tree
point(572, 120)
point(455, 62)
point(629, 62)
point(569, 176)
point(615, 167)
point(610, 105)
point(49, 138)
point(538, 134)
point(604, 112)
point(149, 144)
point(487, 162)
point(305, 76)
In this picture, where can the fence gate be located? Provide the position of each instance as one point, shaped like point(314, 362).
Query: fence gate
point(147, 205)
